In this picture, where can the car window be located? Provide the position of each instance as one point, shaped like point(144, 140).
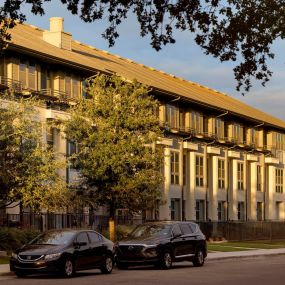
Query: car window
point(194, 227)
point(176, 231)
point(55, 238)
point(82, 237)
point(186, 230)
point(94, 237)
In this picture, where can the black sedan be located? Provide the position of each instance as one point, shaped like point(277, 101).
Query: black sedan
point(64, 251)
point(161, 243)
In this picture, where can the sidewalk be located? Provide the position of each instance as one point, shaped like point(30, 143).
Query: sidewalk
point(5, 270)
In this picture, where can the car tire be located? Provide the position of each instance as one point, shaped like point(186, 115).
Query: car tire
point(107, 266)
point(166, 260)
point(68, 267)
point(20, 274)
point(199, 258)
point(121, 265)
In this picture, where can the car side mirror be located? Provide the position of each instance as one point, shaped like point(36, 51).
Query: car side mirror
point(177, 235)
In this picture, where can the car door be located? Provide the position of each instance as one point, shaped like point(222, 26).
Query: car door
point(188, 239)
point(177, 241)
point(82, 251)
point(97, 248)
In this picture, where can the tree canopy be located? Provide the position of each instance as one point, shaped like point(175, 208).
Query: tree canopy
point(116, 128)
point(241, 31)
point(28, 169)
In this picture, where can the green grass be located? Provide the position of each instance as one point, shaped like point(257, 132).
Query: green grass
point(240, 246)
point(4, 259)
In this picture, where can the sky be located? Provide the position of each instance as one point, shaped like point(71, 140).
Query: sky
point(184, 58)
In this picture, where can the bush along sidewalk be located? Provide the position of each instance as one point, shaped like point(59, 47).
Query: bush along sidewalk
point(12, 238)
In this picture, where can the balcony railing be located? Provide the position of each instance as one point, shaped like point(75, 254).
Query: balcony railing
point(8, 83)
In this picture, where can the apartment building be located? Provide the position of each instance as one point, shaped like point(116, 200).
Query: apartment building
point(224, 160)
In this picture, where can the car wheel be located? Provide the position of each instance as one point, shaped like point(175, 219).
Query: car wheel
point(121, 265)
point(199, 258)
point(108, 265)
point(166, 260)
point(20, 274)
point(68, 268)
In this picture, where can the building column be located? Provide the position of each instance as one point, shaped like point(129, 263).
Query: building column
point(233, 190)
point(270, 205)
point(213, 188)
point(164, 211)
point(190, 213)
point(251, 191)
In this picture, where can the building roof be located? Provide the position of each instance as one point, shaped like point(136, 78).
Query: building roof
point(30, 38)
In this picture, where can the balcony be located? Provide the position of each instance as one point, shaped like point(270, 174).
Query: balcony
point(8, 83)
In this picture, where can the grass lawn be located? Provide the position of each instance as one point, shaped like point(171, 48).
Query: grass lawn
point(246, 245)
point(4, 259)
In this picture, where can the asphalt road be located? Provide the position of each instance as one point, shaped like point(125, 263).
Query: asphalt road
point(242, 271)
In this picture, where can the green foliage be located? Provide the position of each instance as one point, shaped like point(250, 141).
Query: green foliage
point(116, 128)
point(28, 169)
point(11, 238)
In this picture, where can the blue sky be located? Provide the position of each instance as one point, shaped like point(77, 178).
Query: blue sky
point(183, 59)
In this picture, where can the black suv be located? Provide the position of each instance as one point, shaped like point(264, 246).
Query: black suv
point(161, 243)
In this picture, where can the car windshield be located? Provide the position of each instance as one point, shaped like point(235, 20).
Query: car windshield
point(150, 231)
point(55, 238)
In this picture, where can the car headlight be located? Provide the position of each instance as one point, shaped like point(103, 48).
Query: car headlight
point(52, 256)
point(14, 255)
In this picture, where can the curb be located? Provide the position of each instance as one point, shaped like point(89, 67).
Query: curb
point(243, 256)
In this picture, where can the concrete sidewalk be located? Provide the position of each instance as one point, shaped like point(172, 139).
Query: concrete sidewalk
point(5, 270)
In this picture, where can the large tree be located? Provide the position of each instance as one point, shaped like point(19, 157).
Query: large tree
point(116, 129)
point(28, 169)
point(230, 30)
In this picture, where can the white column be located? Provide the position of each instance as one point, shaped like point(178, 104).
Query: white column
point(251, 191)
point(233, 191)
point(164, 211)
point(270, 205)
point(190, 191)
point(213, 189)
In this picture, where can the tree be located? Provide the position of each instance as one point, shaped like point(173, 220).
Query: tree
point(230, 30)
point(116, 128)
point(28, 169)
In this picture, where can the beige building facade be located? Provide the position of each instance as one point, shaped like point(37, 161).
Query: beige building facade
point(224, 160)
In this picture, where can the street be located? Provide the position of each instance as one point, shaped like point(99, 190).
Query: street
point(257, 270)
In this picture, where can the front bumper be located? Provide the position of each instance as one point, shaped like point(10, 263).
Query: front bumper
point(40, 266)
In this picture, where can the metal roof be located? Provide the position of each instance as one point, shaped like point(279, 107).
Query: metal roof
point(30, 38)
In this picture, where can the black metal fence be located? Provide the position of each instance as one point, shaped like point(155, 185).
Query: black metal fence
point(241, 231)
point(231, 231)
point(48, 221)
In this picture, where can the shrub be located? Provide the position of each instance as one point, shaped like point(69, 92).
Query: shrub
point(11, 238)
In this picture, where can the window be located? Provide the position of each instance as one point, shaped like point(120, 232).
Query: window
point(82, 237)
point(196, 122)
point(186, 230)
point(221, 211)
point(172, 117)
point(94, 237)
point(237, 133)
point(174, 168)
point(200, 210)
point(252, 137)
point(279, 141)
point(70, 84)
point(176, 231)
point(279, 180)
point(258, 178)
point(219, 128)
point(221, 174)
point(45, 78)
point(27, 74)
point(175, 209)
point(240, 174)
point(259, 211)
point(240, 211)
point(199, 171)
point(50, 136)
